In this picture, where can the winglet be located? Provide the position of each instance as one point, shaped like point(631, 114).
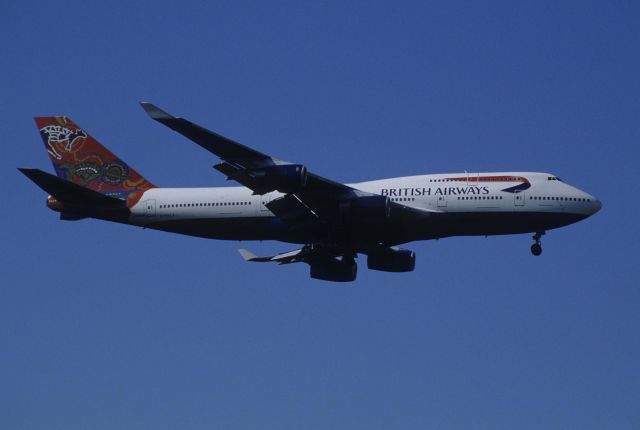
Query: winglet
point(155, 112)
point(247, 255)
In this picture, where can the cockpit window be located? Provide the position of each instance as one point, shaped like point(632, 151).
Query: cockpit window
point(553, 178)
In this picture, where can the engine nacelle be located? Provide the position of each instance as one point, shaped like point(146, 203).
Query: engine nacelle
point(334, 270)
point(392, 260)
point(370, 207)
point(287, 178)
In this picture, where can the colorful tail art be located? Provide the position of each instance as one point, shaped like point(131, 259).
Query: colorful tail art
point(79, 158)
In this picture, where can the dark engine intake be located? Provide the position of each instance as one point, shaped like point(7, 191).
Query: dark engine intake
point(392, 260)
point(370, 207)
point(287, 178)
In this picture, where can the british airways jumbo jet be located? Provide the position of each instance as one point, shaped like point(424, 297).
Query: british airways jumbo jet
point(284, 201)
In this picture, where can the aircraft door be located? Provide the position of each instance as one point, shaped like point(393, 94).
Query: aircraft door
point(518, 198)
point(150, 207)
point(473, 179)
point(442, 201)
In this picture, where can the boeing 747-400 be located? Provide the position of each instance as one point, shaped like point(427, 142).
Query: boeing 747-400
point(284, 201)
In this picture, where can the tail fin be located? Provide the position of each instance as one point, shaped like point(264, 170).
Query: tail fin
point(79, 158)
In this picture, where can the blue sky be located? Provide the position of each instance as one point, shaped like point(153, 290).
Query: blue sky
point(106, 326)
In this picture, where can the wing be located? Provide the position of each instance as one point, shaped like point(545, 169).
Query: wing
point(294, 256)
point(241, 163)
point(310, 199)
point(223, 147)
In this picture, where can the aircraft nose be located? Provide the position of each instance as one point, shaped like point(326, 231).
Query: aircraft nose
point(595, 205)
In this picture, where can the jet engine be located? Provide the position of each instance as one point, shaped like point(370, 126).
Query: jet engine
point(286, 178)
point(392, 260)
point(335, 270)
point(370, 207)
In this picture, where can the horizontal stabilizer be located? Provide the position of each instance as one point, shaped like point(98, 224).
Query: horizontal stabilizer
point(68, 192)
point(247, 255)
point(72, 216)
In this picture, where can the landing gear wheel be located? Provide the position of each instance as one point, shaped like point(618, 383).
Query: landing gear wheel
point(536, 249)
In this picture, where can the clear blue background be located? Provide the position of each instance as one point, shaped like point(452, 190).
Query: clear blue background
point(107, 326)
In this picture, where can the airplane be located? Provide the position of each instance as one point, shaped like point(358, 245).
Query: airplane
point(283, 201)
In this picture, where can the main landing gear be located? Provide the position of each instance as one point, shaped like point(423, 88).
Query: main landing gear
point(536, 248)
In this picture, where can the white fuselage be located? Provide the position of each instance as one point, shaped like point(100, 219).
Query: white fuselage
point(466, 193)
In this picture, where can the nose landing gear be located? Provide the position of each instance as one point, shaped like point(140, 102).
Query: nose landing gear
point(536, 248)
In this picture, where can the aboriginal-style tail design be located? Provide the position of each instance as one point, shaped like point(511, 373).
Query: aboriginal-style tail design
point(79, 158)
